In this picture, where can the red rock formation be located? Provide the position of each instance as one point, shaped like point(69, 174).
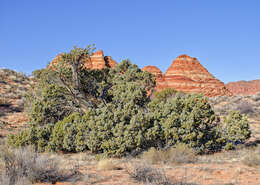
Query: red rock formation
point(109, 61)
point(96, 61)
point(244, 87)
point(154, 70)
point(158, 73)
point(99, 61)
point(188, 75)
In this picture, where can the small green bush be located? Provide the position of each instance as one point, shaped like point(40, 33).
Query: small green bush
point(236, 129)
point(36, 136)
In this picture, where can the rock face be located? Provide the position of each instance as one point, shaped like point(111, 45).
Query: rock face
point(186, 74)
point(96, 61)
point(244, 87)
point(99, 61)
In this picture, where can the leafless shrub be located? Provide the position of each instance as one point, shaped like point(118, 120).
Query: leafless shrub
point(26, 164)
point(146, 174)
point(245, 108)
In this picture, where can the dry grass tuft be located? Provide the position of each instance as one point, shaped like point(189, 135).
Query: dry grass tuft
point(178, 155)
point(25, 166)
point(143, 173)
point(146, 174)
point(107, 164)
point(252, 158)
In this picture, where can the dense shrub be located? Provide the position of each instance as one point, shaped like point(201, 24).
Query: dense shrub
point(64, 134)
point(51, 106)
point(122, 126)
point(235, 130)
point(187, 119)
point(36, 136)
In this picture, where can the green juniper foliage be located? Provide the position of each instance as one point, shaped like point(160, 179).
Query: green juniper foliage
point(236, 129)
point(109, 111)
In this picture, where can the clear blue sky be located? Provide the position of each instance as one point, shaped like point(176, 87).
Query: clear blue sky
point(223, 34)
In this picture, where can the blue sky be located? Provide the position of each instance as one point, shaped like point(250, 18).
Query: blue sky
point(223, 34)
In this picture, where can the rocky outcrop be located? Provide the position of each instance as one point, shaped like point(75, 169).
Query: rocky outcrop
point(186, 74)
point(96, 61)
point(244, 87)
point(99, 61)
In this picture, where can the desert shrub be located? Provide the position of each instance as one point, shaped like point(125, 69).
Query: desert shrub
point(252, 158)
point(154, 156)
point(245, 108)
point(146, 174)
point(122, 126)
point(162, 96)
point(51, 107)
point(236, 129)
point(181, 153)
point(37, 136)
point(109, 111)
point(187, 119)
point(64, 134)
point(107, 164)
point(25, 165)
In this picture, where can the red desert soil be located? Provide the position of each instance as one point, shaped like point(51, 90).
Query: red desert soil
point(204, 174)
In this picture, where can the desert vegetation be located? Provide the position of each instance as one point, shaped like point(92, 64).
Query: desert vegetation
point(24, 166)
point(108, 111)
point(114, 112)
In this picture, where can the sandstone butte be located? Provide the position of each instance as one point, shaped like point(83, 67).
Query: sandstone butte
point(96, 61)
point(244, 87)
point(186, 74)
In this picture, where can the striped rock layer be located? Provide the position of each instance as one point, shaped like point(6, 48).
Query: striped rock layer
point(99, 61)
point(186, 74)
point(96, 61)
point(244, 87)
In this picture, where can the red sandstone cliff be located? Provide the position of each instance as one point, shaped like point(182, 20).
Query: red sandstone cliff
point(188, 75)
point(244, 87)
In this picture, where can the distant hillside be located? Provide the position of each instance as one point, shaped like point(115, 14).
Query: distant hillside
point(244, 87)
point(13, 87)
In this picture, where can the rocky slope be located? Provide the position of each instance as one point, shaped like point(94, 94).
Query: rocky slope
point(13, 87)
point(244, 87)
point(186, 74)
